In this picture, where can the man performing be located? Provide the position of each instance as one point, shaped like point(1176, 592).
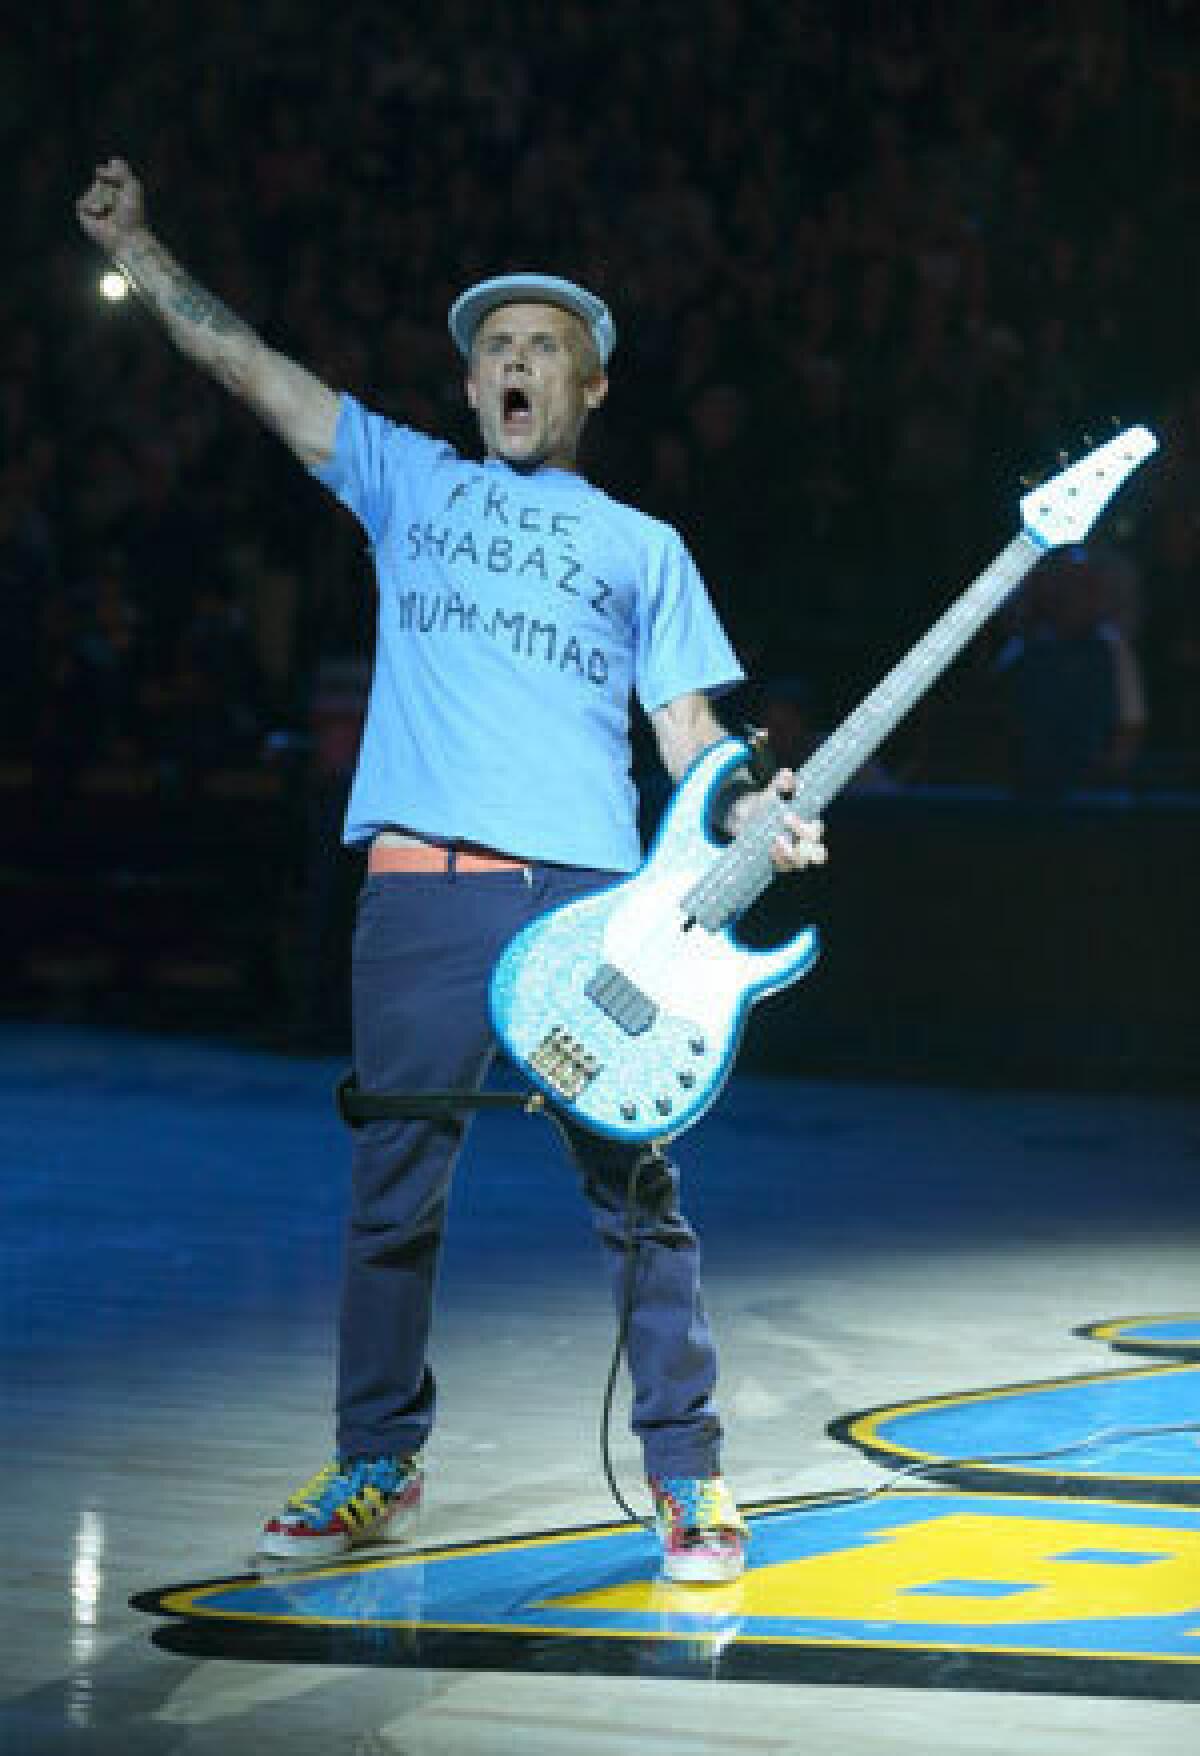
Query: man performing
point(518, 608)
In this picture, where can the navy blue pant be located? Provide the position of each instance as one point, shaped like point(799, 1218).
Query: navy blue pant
point(424, 947)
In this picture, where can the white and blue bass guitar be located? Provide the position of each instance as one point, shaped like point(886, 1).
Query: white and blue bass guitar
point(625, 1009)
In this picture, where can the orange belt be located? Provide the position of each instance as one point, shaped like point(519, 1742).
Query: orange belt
point(425, 857)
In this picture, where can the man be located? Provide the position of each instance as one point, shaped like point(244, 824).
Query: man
point(518, 607)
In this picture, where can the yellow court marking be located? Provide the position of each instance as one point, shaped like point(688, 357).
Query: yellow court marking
point(895, 1576)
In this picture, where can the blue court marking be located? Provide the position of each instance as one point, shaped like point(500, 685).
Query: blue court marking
point(872, 1575)
point(970, 1588)
point(1110, 1557)
point(1184, 1331)
point(1019, 1422)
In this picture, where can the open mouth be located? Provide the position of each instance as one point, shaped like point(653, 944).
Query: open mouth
point(518, 412)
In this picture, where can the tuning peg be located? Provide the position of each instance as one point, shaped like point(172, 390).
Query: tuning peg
point(1089, 441)
point(1064, 458)
point(1031, 481)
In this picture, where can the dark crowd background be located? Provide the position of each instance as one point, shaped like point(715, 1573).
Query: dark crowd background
point(869, 263)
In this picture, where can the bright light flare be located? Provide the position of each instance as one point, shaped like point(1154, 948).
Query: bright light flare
point(113, 286)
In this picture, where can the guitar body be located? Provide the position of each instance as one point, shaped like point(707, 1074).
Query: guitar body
point(622, 1008)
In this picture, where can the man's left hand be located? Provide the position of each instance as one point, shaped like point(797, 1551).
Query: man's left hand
point(800, 842)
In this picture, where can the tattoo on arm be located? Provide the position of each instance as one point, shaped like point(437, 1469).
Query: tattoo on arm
point(170, 291)
point(196, 305)
point(285, 397)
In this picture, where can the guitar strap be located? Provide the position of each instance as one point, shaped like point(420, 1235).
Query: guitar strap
point(762, 764)
point(356, 1107)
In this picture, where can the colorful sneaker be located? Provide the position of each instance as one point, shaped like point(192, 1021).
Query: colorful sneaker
point(703, 1534)
point(369, 1500)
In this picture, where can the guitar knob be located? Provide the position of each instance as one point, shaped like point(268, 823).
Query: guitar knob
point(663, 1106)
point(629, 1112)
point(697, 1045)
point(687, 1080)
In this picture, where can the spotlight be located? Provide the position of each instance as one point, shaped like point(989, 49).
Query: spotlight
point(113, 286)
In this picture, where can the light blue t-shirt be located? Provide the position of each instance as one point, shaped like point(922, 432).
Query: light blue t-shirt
point(516, 615)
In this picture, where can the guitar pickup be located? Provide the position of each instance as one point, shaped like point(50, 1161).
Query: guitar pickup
point(564, 1064)
point(621, 1000)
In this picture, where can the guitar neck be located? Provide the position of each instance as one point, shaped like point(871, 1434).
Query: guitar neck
point(742, 872)
point(857, 738)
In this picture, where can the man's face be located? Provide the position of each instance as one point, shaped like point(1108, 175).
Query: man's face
point(533, 380)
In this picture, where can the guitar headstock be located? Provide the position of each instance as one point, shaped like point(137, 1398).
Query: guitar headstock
point(1065, 507)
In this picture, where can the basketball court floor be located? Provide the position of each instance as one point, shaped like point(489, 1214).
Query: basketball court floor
point(993, 1292)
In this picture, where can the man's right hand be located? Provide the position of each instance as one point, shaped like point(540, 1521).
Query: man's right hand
point(112, 212)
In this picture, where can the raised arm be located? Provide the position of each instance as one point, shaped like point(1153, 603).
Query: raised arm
point(286, 397)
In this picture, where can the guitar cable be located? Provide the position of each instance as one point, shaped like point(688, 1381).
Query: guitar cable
point(643, 1161)
point(356, 1107)
point(932, 1468)
point(760, 769)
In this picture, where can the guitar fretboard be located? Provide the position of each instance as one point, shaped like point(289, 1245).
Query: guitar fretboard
point(740, 874)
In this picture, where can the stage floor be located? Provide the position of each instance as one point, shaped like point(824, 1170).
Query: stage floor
point(897, 1275)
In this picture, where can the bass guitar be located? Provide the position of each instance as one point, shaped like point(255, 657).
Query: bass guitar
point(625, 1009)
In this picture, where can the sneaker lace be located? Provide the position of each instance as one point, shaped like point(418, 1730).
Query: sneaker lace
point(699, 1503)
point(340, 1482)
point(308, 1497)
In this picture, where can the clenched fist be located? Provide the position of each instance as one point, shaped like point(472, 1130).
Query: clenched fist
point(112, 211)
